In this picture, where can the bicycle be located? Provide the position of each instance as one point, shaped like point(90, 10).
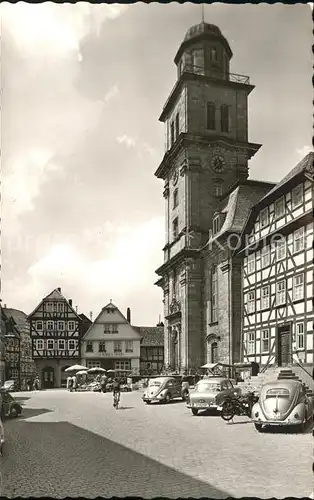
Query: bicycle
point(116, 400)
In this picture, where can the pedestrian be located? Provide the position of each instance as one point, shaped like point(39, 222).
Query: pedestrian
point(74, 383)
point(28, 384)
point(69, 382)
point(103, 382)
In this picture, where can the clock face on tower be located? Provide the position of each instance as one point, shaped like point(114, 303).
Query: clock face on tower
point(218, 163)
point(175, 177)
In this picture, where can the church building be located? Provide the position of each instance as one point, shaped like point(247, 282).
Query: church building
point(207, 199)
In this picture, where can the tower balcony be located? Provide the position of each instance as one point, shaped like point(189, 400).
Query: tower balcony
point(214, 75)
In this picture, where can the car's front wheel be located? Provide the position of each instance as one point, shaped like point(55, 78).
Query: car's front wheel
point(14, 412)
point(258, 427)
point(167, 398)
point(194, 411)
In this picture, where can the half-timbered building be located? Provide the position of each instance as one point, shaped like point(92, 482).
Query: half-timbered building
point(11, 339)
point(111, 342)
point(18, 325)
point(152, 349)
point(277, 248)
point(55, 333)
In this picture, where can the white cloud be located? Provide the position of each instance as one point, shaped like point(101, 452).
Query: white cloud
point(128, 141)
point(51, 29)
point(126, 274)
point(24, 178)
point(302, 152)
point(112, 92)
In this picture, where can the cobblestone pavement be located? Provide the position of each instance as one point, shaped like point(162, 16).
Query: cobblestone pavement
point(76, 444)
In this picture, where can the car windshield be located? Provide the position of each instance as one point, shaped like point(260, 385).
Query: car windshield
point(8, 382)
point(207, 387)
point(275, 393)
point(154, 383)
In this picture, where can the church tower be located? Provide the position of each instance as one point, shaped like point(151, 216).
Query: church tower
point(207, 152)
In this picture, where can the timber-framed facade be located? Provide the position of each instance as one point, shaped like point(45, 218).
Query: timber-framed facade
point(277, 248)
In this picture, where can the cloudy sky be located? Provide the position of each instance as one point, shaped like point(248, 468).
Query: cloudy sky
point(82, 89)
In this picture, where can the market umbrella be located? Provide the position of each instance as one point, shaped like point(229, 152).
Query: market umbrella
point(75, 368)
point(96, 369)
point(82, 372)
point(110, 371)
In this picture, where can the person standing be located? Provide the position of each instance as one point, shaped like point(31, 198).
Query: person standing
point(69, 383)
point(103, 382)
point(74, 383)
point(28, 385)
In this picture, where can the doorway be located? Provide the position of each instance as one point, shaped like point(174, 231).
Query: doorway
point(284, 345)
point(48, 377)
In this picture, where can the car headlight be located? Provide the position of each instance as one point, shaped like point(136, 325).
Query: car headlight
point(256, 414)
point(296, 415)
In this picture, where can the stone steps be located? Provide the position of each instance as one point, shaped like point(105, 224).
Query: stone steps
point(275, 373)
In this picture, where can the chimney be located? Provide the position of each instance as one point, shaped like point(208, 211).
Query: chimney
point(70, 302)
point(128, 315)
point(76, 309)
point(59, 290)
point(5, 306)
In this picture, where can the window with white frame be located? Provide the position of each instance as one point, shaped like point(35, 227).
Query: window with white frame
point(49, 306)
point(122, 365)
point(265, 254)
point(111, 328)
point(102, 346)
point(71, 326)
point(265, 340)
point(280, 208)
point(298, 240)
point(251, 302)
point(280, 249)
point(297, 196)
point(299, 335)
point(281, 293)
point(298, 287)
point(93, 364)
point(251, 263)
point(39, 344)
point(129, 346)
point(250, 343)
point(39, 325)
point(50, 325)
point(265, 297)
point(50, 344)
point(117, 346)
point(264, 218)
point(61, 344)
point(60, 325)
point(60, 307)
point(89, 346)
point(72, 344)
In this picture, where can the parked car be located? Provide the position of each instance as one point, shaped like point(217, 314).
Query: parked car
point(163, 389)
point(188, 383)
point(283, 403)
point(203, 397)
point(9, 385)
point(9, 406)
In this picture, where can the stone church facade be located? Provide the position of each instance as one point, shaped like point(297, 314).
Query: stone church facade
point(207, 200)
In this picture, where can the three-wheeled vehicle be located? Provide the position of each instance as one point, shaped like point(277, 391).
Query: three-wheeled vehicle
point(163, 389)
point(283, 403)
point(9, 406)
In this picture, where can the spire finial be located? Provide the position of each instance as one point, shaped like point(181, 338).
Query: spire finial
point(202, 7)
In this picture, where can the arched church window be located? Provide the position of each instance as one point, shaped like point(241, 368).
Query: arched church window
point(214, 352)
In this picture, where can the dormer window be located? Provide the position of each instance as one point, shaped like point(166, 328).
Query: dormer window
point(216, 224)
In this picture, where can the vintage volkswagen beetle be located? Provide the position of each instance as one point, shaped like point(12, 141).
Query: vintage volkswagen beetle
point(163, 389)
point(283, 403)
point(204, 395)
point(9, 406)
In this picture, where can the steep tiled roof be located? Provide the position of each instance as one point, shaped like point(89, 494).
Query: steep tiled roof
point(151, 335)
point(19, 317)
point(305, 165)
point(238, 203)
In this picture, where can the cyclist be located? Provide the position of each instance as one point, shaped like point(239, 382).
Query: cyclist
point(116, 392)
